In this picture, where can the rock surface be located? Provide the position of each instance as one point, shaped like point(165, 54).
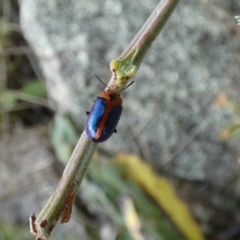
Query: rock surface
point(169, 115)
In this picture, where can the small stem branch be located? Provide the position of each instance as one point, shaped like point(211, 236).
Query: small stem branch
point(127, 64)
point(59, 205)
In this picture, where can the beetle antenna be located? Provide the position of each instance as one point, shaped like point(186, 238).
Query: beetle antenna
point(127, 86)
point(101, 81)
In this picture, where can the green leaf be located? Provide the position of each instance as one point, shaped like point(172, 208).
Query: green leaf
point(4, 29)
point(63, 137)
point(8, 98)
point(112, 186)
point(162, 192)
point(36, 88)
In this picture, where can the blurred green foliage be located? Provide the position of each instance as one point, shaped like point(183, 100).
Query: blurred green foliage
point(63, 137)
point(32, 92)
point(9, 231)
point(35, 88)
point(113, 186)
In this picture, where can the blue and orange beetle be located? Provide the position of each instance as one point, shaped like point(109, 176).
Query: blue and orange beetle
point(104, 115)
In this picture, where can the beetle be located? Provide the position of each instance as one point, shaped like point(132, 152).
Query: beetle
point(104, 116)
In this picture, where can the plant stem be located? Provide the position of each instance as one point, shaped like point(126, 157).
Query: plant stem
point(127, 64)
point(59, 206)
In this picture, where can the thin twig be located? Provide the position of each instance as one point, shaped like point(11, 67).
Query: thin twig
point(24, 50)
point(28, 98)
point(127, 64)
point(3, 83)
point(59, 205)
point(185, 143)
point(6, 10)
point(11, 26)
point(16, 51)
point(32, 59)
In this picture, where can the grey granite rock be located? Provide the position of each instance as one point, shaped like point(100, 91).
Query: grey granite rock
point(169, 115)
